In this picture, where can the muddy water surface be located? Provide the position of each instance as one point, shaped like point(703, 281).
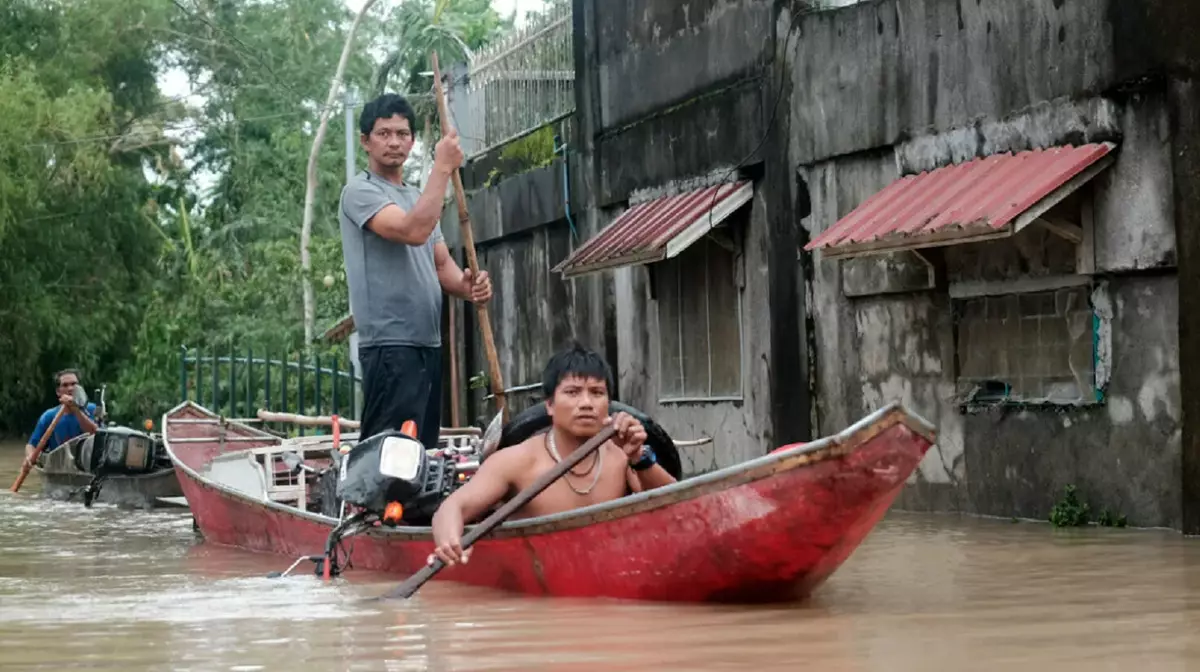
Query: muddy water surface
point(105, 589)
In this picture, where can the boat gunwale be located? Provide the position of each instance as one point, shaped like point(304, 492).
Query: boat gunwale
point(799, 455)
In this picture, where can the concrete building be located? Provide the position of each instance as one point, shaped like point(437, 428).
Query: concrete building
point(774, 217)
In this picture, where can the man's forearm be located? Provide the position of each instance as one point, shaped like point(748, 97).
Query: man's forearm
point(450, 277)
point(88, 425)
point(447, 520)
point(428, 211)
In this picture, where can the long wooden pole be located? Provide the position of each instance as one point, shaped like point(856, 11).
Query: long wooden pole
point(452, 327)
point(308, 420)
point(468, 242)
point(454, 414)
point(29, 462)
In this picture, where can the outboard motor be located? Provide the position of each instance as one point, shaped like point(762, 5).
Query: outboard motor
point(117, 450)
point(392, 468)
point(390, 478)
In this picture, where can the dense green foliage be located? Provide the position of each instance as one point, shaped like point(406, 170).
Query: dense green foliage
point(118, 245)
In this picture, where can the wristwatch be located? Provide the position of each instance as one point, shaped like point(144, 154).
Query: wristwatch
point(649, 459)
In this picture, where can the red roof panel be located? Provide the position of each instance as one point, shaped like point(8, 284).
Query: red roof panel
point(642, 233)
point(987, 192)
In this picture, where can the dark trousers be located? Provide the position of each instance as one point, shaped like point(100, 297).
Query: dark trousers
point(401, 382)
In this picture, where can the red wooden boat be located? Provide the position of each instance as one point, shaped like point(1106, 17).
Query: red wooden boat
point(769, 529)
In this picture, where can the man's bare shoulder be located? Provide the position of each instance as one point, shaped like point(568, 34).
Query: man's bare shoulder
point(518, 458)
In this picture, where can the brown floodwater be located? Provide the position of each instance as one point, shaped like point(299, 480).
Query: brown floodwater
point(108, 589)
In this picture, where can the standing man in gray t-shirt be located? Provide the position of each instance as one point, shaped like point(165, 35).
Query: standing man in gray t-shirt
point(397, 266)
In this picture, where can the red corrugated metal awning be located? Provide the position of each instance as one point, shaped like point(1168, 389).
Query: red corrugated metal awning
point(981, 199)
point(657, 229)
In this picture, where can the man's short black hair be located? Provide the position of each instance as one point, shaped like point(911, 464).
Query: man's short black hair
point(58, 376)
point(575, 360)
point(386, 106)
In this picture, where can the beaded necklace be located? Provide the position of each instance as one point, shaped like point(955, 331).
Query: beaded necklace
point(597, 465)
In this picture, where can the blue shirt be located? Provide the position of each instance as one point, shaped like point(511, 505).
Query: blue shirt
point(66, 429)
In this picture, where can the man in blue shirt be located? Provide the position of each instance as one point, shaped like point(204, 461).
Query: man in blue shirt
point(75, 421)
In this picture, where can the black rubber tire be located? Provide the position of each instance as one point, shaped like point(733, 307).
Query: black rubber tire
point(535, 419)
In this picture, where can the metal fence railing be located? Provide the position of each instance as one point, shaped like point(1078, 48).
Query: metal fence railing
point(520, 83)
point(239, 383)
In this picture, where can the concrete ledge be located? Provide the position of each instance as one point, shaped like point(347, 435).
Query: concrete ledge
point(516, 205)
point(691, 139)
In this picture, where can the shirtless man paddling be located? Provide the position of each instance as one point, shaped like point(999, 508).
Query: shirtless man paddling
point(576, 383)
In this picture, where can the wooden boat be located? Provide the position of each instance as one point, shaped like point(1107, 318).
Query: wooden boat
point(770, 529)
point(63, 480)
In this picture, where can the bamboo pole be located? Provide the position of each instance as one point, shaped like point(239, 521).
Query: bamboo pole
point(468, 242)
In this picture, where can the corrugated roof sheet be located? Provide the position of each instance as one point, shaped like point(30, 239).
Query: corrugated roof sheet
point(978, 198)
point(657, 229)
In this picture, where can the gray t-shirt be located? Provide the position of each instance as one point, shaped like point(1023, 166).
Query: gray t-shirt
point(395, 295)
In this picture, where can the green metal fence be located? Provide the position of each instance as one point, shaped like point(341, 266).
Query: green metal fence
point(237, 384)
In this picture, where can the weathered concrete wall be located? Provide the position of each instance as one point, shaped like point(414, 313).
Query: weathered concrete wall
point(708, 133)
point(677, 85)
point(1184, 97)
point(676, 91)
point(1124, 456)
point(520, 233)
point(1135, 212)
point(890, 87)
point(740, 430)
point(669, 90)
point(883, 344)
point(877, 349)
point(515, 206)
point(873, 74)
point(652, 54)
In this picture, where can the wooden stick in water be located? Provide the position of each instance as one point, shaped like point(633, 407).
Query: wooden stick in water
point(27, 465)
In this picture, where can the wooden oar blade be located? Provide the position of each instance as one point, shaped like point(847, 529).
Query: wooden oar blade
point(412, 583)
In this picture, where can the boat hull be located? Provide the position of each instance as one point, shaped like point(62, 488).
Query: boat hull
point(63, 481)
point(772, 529)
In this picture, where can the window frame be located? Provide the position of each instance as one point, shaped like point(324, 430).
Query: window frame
point(656, 271)
point(1101, 332)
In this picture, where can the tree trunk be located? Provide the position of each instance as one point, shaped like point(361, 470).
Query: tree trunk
point(310, 193)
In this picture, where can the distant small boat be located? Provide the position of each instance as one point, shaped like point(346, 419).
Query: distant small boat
point(65, 475)
point(767, 530)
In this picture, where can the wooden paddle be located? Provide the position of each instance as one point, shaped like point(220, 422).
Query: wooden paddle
point(410, 586)
point(29, 462)
point(468, 242)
